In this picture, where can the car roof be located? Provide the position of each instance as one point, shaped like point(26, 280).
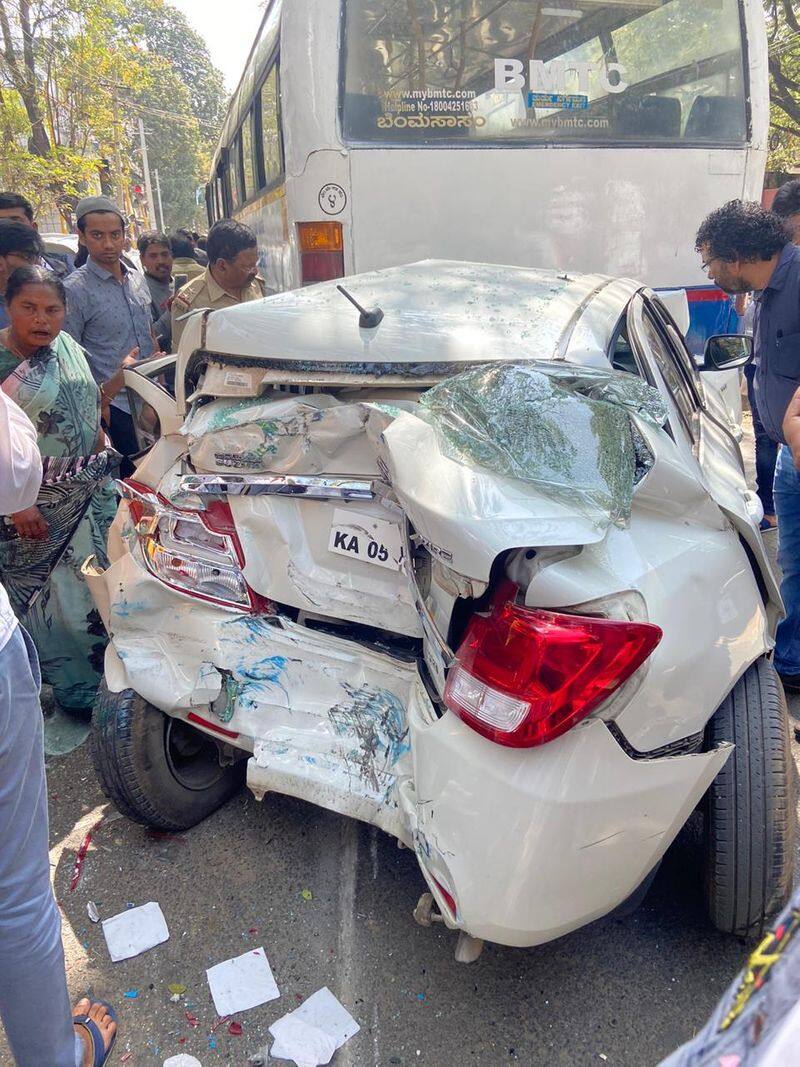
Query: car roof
point(434, 312)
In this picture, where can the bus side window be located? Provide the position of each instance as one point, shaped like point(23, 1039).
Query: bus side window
point(248, 162)
point(270, 130)
point(235, 173)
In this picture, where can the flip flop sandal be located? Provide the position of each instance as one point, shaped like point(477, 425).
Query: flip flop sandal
point(100, 1054)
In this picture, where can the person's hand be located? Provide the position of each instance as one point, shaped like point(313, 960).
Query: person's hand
point(115, 384)
point(791, 427)
point(30, 524)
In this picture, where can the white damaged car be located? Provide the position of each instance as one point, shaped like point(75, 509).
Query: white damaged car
point(465, 552)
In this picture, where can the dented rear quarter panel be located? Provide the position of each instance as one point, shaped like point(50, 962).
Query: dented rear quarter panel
point(532, 843)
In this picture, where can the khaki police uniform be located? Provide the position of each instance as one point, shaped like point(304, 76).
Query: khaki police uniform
point(203, 292)
point(190, 267)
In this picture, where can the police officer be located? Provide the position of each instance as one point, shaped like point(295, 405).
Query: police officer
point(748, 249)
point(231, 276)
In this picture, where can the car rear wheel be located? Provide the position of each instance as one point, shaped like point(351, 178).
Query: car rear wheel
point(155, 769)
point(750, 811)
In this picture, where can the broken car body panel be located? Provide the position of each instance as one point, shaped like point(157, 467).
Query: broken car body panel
point(323, 688)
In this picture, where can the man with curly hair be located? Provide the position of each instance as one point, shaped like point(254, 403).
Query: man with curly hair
point(748, 249)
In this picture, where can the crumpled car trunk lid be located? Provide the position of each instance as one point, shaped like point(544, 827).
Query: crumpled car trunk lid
point(331, 494)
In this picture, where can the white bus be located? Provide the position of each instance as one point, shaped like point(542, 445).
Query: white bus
point(587, 135)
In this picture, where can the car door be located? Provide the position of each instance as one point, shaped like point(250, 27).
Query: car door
point(701, 430)
point(152, 403)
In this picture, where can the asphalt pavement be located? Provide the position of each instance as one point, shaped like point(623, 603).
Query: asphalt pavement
point(331, 901)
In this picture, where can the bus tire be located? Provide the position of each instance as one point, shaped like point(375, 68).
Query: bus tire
point(157, 770)
point(750, 811)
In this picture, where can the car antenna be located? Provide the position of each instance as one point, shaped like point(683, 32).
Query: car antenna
point(368, 319)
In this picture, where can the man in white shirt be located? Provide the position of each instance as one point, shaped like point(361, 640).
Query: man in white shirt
point(41, 1029)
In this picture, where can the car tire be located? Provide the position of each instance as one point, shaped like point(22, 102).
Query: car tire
point(750, 811)
point(157, 770)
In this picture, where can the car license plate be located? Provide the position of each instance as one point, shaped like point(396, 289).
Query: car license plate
point(364, 537)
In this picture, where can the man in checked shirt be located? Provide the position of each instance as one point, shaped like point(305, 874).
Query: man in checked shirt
point(108, 310)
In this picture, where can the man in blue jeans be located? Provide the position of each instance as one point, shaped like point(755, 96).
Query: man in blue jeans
point(41, 1029)
point(747, 249)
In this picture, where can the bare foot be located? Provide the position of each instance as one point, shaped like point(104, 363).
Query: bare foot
point(98, 1013)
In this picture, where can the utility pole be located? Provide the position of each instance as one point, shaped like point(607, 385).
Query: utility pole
point(160, 205)
point(117, 127)
point(151, 211)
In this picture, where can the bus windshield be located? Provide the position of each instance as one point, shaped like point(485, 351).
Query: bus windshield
point(426, 72)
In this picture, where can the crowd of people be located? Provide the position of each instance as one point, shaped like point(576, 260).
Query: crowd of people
point(68, 330)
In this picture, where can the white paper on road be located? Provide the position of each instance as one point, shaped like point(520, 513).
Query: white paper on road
point(134, 931)
point(305, 1045)
point(242, 983)
point(310, 1034)
point(182, 1061)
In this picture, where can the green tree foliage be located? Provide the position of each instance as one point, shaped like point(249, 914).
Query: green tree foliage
point(185, 101)
point(165, 33)
point(783, 28)
point(75, 79)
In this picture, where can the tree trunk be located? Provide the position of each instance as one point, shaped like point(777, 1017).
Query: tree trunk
point(23, 74)
point(39, 141)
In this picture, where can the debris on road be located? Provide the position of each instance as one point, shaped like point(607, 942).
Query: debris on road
point(81, 856)
point(135, 931)
point(242, 983)
point(305, 1045)
point(311, 1034)
point(92, 912)
point(182, 1060)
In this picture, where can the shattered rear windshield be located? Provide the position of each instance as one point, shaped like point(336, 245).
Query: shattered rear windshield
point(563, 428)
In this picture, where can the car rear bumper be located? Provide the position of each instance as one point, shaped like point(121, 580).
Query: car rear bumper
point(530, 843)
point(535, 843)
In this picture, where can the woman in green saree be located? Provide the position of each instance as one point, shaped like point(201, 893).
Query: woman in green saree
point(45, 371)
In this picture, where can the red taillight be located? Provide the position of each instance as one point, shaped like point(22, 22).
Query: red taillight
point(321, 251)
point(194, 552)
point(523, 676)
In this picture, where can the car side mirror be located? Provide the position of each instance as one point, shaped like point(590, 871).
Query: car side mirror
point(727, 351)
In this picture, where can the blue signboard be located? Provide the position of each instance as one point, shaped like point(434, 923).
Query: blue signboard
point(564, 101)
